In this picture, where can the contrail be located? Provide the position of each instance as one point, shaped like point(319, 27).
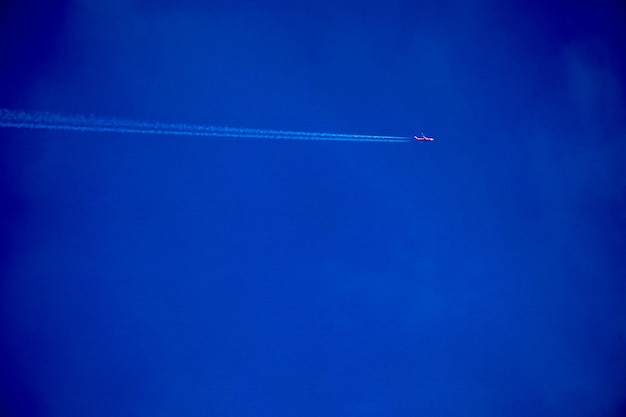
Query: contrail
point(82, 123)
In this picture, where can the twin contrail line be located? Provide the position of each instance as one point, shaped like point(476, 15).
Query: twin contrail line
point(83, 123)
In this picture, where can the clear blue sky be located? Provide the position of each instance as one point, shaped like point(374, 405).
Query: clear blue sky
point(481, 274)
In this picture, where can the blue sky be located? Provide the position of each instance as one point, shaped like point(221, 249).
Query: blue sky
point(479, 274)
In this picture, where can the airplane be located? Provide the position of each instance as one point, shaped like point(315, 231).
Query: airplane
point(422, 137)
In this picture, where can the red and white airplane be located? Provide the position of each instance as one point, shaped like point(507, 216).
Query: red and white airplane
point(422, 137)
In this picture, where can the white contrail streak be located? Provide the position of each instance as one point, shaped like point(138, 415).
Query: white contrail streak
point(81, 123)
